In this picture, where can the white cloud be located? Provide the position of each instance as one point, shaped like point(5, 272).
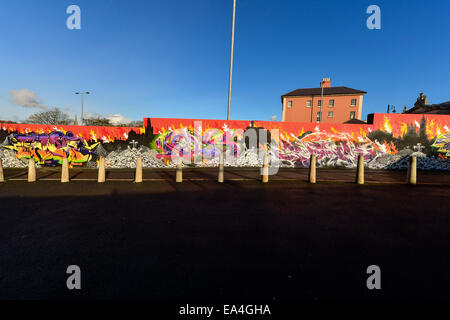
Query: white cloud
point(25, 98)
point(117, 119)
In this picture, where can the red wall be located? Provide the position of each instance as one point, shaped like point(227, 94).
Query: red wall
point(396, 123)
point(161, 125)
point(105, 134)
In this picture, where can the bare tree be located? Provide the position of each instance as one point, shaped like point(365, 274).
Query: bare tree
point(53, 116)
point(133, 124)
point(98, 121)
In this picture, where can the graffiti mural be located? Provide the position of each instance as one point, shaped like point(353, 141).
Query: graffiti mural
point(94, 133)
point(49, 144)
point(336, 149)
point(51, 149)
point(442, 144)
point(193, 143)
point(386, 142)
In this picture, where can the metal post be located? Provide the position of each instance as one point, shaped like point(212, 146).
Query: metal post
point(82, 106)
point(231, 60)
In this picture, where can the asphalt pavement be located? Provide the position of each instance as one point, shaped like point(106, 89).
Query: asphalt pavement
point(284, 240)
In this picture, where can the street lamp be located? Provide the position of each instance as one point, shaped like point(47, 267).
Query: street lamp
point(231, 59)
point(82, 100)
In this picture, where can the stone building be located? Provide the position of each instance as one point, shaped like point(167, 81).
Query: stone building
point(422, 107)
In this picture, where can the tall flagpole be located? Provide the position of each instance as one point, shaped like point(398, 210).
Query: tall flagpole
point(231, 60)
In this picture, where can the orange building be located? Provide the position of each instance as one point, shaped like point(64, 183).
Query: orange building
point(340, 104)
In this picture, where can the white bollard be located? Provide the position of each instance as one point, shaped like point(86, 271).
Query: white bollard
point(265, 171)
point(138, 176)
point(312, 168)
point(179, 174)
point(412, 170)
point(101, 170)
point(65, 170)
point(221, 178)
point(2, 177)
point(360, 170)
point(31, 170)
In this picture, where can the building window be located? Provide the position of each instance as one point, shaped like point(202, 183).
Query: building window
point(319, 116)
point(331, 104)
point(309, 103)
point(289, 104)
point(353, 102)
point(352, 114)
point(319, 103)
point(330, 114)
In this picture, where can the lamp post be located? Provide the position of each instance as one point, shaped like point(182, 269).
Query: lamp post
point(82, 102)
point(231, 59)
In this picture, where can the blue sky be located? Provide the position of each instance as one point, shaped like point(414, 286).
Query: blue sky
point(170, 58)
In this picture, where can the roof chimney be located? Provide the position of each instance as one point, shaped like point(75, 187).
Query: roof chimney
point(326, 83)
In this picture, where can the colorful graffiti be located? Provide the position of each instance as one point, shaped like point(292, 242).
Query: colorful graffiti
point(207, 145)
point(383, 142)
point(332, 149)
point(50, 149)
point(49, 144)
point(337, 149)
point(334, 144)
point(442, 143)
point(94, 133)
